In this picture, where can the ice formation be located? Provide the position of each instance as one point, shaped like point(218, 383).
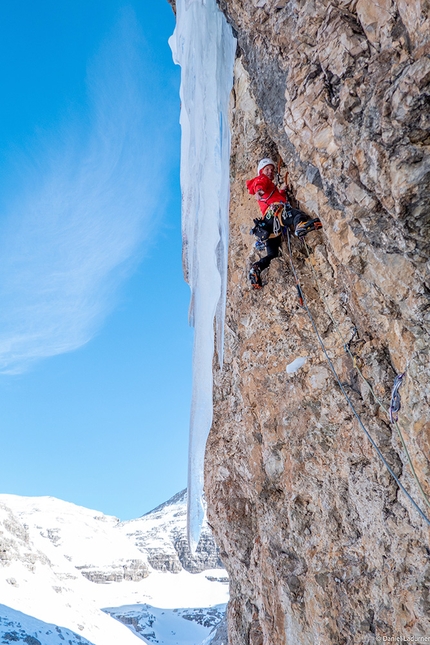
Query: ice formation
point(204, 46)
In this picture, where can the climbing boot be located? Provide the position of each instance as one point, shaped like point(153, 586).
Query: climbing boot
point(254, 277)
point(303, 228)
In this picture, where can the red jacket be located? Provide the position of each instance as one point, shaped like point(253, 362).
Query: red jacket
point(271, 193)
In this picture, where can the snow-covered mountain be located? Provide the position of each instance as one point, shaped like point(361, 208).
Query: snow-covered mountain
point(175, 626)
point(61, 565)
point(17, 627)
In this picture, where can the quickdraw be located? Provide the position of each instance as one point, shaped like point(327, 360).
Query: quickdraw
point(396, 402)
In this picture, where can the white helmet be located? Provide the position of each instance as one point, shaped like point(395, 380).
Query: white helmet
point(263, 163)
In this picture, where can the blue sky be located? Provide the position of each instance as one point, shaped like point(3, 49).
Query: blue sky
point(95, 349)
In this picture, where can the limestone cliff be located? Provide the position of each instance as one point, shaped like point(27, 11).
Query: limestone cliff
point(320, 543)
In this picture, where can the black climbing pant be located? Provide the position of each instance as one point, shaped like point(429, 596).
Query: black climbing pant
point(272, 247)
point(295, 216)
point(273, 244)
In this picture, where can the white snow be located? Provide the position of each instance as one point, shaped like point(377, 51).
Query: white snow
point(204, 46)
point(16, 626)
point(170, 626)
point(50, 542)
point(296, 364)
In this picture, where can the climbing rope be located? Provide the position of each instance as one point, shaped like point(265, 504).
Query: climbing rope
point(351, 405)
point(395, 396)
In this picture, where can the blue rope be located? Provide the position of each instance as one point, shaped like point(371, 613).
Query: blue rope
point(357, 416)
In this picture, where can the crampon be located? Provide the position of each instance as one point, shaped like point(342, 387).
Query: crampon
point(303, 228)
point(254, 277)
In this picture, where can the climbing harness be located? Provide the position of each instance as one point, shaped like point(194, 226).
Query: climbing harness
point(396, 403)
point(342, 388)
point(347, 347)
point(277, 212)
point(271, 223)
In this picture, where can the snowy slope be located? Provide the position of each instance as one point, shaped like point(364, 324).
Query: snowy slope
point(148, 624)
point(170, 626)
point(163, 532)
point(62, 564)
point(53, 592)
point(16, 627)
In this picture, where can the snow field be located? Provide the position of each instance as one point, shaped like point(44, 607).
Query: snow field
point(47, 540)
point(171, 626)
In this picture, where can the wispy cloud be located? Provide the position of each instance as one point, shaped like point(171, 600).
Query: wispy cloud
point(71, 234)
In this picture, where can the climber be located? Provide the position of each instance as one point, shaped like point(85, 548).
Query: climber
point(277, 213)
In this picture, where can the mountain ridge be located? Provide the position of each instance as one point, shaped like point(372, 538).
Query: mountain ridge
point(62, 564)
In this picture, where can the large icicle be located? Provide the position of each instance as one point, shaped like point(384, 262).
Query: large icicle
point(204, 46)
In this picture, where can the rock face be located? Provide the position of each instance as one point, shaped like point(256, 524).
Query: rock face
point(320, 543)
point(132, 570)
